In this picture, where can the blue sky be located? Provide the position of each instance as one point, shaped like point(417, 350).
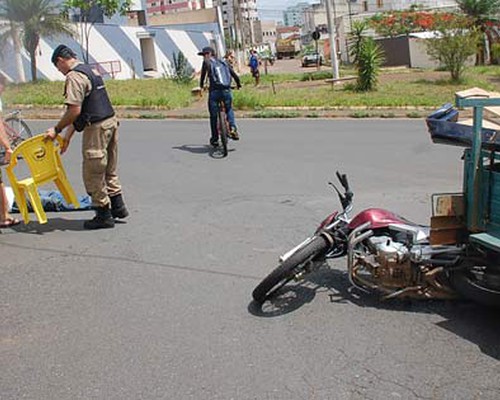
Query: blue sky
point(273, 9)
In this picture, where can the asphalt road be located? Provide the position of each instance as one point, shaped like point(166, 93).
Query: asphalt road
point(160, 307)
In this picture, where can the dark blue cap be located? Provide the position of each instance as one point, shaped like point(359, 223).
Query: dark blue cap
point(62, 51)
point(206, 50)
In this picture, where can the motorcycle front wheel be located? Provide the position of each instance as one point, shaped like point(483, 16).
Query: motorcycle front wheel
point(289, 269)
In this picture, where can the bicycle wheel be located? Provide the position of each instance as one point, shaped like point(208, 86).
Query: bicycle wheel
point(223, 131)
point(289, 269)
point(17, 130)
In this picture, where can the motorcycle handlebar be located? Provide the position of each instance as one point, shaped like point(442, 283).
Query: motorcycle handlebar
point(346, 197)
point(343, 180)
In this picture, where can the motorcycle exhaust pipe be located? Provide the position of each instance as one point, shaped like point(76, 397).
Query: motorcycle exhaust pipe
point(354, 238)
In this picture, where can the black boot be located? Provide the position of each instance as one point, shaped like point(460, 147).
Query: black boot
point(102, 220)
point(118, 209)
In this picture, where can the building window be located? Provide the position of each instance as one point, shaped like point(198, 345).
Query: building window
point(365, 6)
point(380, 3)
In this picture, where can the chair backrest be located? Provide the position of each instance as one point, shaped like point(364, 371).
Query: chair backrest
point(41, 156)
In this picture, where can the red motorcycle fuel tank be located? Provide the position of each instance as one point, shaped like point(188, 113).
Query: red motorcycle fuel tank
point(378, 217)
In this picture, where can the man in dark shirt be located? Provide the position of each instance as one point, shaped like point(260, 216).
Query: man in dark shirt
point(218, 91)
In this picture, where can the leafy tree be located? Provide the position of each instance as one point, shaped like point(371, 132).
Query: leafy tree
point(369, 61)
point(33, 19)
point(395, 23)
point(485, 15)
point(455, 42)
point(83, 9)
point(183, 72)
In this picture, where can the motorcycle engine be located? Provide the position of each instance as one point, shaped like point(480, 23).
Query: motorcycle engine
point(388, 262)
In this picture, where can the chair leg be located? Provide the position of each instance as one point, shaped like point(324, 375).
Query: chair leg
point(36, 203)
point(67, 191)
point(20, 197)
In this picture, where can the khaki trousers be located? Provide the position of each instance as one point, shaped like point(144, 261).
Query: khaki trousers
point(100, 159)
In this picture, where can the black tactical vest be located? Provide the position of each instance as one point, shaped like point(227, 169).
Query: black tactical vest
point(96, 106)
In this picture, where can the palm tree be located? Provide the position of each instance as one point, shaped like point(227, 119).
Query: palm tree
point(34, 19)
point(483, 13)
point(11, 30)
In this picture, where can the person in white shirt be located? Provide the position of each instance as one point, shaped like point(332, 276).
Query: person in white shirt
point(6, 220)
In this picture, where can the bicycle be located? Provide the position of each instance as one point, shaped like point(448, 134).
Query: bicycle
point(17, 130)
point(223, 127)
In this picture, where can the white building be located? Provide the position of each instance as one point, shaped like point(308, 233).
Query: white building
point(294, 15)
point(242, 14)
point(121, 52)
point(156, 7)
point(269, 34)
point(248, 10)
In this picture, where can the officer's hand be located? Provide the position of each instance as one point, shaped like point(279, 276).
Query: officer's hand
point(50, 134)
point(238, 87)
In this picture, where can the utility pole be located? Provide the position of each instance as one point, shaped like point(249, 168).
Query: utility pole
point(237, 31)
point(333, 44)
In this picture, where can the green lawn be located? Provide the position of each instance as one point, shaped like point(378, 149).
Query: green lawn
point(404, 88)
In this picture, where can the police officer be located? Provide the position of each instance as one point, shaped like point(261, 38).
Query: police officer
point(88, 108)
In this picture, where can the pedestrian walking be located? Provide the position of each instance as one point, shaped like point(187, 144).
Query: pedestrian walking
point(6, 220)
point(230, 58)
point(254, 66)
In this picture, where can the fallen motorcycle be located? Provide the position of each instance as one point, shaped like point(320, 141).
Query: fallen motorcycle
point(458, 255)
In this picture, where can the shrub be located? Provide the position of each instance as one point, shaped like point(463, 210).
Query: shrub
point(356, 38)
point(370, 58)
point(495, 52)
point(183, 72)
point(316, 76)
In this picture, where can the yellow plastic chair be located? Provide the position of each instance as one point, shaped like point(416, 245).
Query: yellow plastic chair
point(44, 162)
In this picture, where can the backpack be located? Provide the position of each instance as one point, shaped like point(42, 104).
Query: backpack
point(219, 73)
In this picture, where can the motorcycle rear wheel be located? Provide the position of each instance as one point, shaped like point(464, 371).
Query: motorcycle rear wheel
point(471, 288)
point(289, 269)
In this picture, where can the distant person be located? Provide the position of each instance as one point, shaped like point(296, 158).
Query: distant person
point(254, 66)
point(230, 59)
point(6, 220)
point(219, 74)
point(89, 109)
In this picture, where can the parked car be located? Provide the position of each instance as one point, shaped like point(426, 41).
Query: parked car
point(312, 59)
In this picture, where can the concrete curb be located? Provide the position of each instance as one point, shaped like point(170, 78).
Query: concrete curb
point(130, 112)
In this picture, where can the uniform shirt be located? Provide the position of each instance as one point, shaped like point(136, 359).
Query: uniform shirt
point(77, 87)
